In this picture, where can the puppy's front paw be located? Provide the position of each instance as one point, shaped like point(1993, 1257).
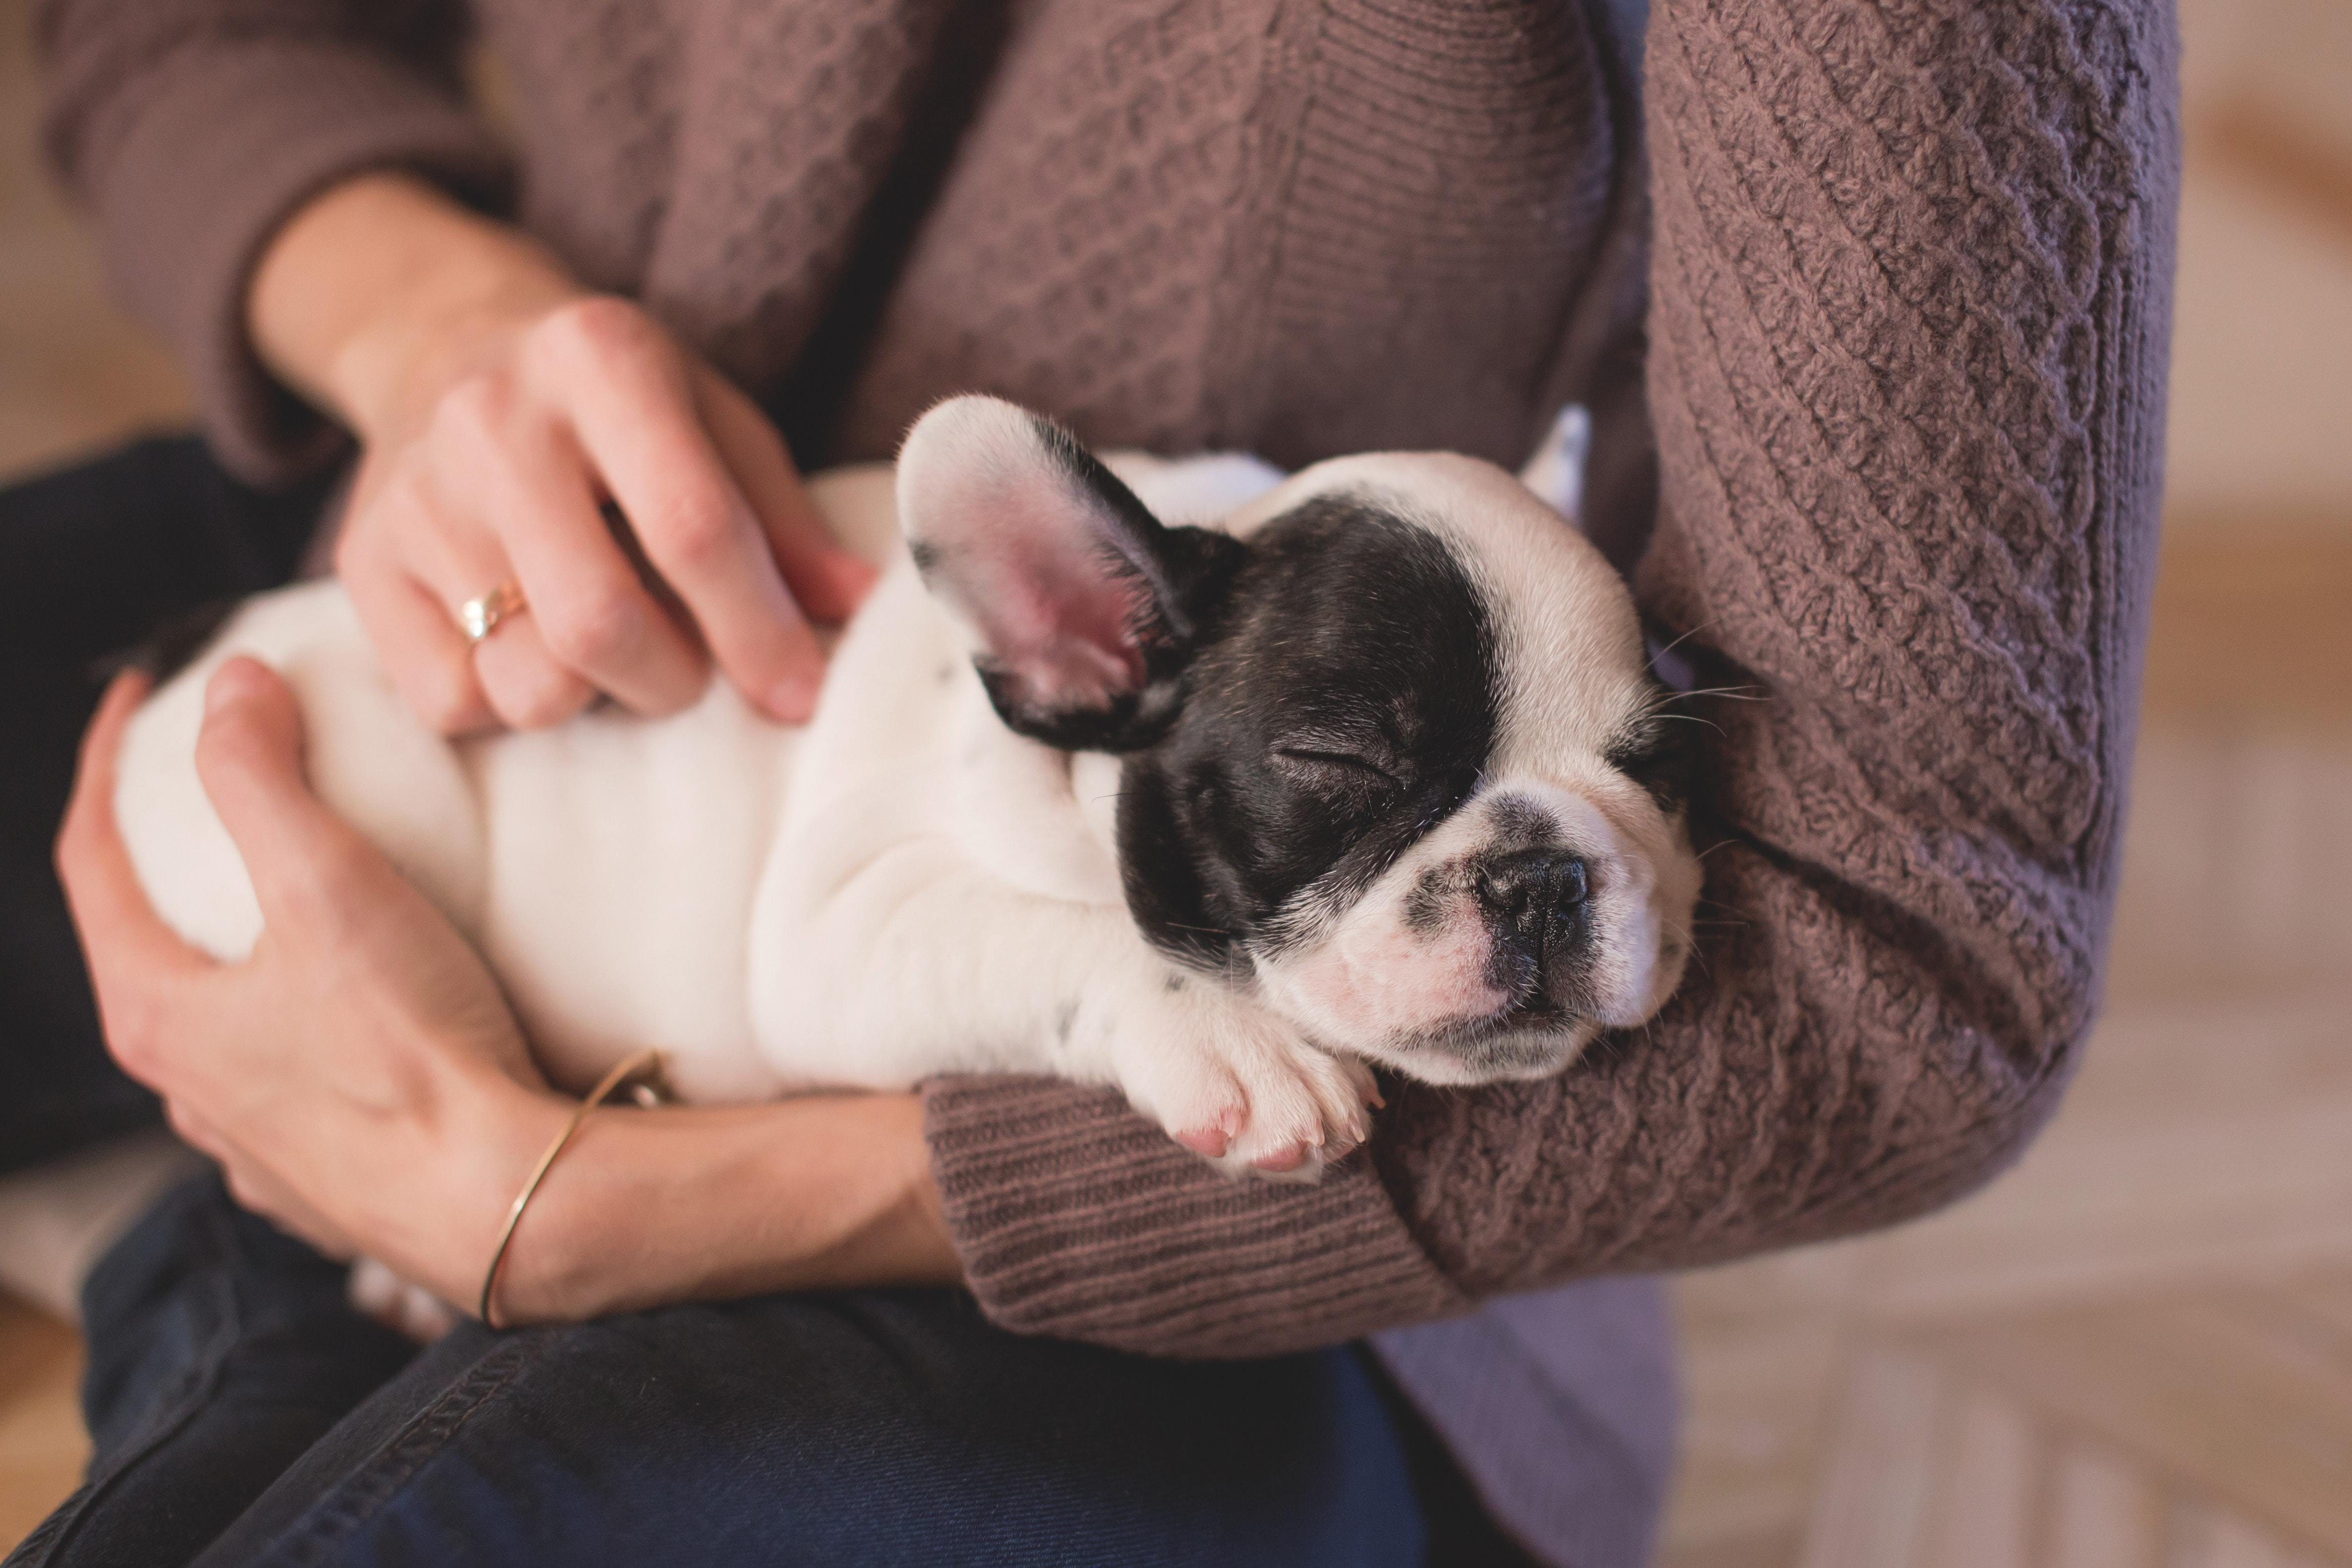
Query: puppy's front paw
point(1241, 1088)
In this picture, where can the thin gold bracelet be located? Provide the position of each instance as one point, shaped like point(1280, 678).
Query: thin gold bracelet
point(647, 1063)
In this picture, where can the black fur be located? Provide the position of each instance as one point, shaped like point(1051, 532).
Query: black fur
point(1311, 704)
point(171, 647)
point(1342, 700)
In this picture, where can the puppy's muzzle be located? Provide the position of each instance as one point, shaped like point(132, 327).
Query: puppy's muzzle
point(1535, 901)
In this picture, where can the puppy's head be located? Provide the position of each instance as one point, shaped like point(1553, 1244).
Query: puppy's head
point(1393, 757)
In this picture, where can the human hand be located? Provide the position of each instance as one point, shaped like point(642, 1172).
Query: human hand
point(501, 406)
point(362, 1081)
point(359, 1079)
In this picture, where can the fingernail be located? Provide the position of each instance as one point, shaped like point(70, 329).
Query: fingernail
point(794, 699)
point(231, 682)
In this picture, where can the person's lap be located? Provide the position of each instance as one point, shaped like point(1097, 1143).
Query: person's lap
point(231, 1395)
point(241, 1410)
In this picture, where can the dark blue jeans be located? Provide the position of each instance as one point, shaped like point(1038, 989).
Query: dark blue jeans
point(243, 1413)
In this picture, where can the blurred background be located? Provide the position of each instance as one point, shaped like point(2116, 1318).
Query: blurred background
point(2135, 1350)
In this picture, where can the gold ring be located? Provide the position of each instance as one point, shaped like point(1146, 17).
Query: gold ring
point(478, 617)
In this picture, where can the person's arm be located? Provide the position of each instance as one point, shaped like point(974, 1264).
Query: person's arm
point(646, 1208)
point(1911, 298)
point(190, 129)
point(276, 184)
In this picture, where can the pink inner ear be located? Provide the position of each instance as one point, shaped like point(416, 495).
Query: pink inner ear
point(1062, 632)
point(1058, 617)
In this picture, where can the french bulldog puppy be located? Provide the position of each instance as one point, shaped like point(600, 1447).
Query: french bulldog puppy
point(1214, 785)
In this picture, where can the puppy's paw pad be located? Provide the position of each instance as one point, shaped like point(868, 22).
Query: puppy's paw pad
point(1192, 1095)
point(1297, 1162)
point(1209, 1142)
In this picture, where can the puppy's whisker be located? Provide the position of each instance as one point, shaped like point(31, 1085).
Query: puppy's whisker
point(1682, 639)
point(1689, 937)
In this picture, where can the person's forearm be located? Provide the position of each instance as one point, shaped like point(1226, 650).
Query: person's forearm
point(648, 1207)
point(377, 282)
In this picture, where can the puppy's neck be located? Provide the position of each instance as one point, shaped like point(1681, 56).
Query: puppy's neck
point(1095, 783)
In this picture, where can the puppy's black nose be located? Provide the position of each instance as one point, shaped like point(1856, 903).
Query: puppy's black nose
point(1530, 895)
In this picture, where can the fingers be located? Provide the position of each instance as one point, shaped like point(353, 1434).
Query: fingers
point(131, 951)
point(505, 480)
point(828, 581)
point(591, 623)
point(416, 638)
point(639, 422)
point(483, 468)
point(308, 865)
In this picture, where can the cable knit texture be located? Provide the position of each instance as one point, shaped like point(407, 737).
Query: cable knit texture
point(1907, 331)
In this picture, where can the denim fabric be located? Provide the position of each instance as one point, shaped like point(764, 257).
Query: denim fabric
point(92, 560)
point(230, 1395)
point(220, 1351)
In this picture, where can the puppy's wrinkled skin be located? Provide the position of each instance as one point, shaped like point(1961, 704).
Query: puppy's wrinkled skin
point(1184, 776)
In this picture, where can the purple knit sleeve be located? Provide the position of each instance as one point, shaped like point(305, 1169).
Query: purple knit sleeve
point(1074, 1216)
point(1911, 295)
point(191, 129)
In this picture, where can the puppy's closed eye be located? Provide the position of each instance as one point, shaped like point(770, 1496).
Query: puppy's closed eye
point(1325, 768)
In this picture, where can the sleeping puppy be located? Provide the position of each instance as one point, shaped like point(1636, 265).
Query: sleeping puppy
point(1187, 777)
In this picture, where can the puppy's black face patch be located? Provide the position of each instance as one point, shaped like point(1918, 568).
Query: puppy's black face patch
point(1342, 702)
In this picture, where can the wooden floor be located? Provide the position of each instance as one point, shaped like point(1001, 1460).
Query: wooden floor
point(2135, 1350)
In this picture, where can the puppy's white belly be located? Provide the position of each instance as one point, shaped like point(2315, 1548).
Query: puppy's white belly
point(605, 868)
point(621, 859)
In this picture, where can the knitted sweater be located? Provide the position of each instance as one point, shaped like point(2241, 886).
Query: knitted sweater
point(1872, 301)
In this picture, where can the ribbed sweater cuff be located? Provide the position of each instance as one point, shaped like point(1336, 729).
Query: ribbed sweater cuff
point(212, 148)
point(1074, 1218)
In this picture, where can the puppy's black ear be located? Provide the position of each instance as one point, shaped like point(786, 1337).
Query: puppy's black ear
point(1080, 606)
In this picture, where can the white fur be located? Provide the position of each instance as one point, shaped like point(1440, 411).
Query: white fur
point(905, 887)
